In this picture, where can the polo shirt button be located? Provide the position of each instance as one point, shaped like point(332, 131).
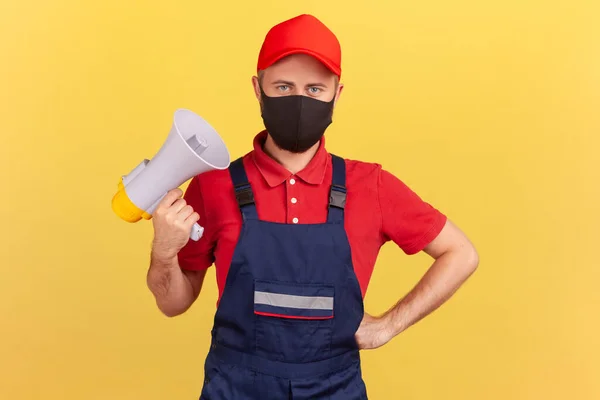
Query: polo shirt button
point(295, 220)
point(292, 181)
point(294, 200)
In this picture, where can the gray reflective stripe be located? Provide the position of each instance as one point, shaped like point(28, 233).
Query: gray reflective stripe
point(291, 301)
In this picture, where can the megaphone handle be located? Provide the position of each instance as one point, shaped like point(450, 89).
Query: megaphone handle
point(197, 232)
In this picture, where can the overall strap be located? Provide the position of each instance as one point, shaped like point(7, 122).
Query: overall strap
point(337, 193)
point(243, 190)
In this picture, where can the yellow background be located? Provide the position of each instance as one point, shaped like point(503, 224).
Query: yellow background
point(490, 110)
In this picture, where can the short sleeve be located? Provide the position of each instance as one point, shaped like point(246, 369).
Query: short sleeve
point(198, 255)
point(406, 219)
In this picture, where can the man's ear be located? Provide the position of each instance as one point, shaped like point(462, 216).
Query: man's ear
point(256, 86)
point(339, 93)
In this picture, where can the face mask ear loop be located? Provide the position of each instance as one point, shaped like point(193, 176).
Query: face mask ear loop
point(262, 96)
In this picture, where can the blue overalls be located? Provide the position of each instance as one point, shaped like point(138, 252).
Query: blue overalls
point(285, 324)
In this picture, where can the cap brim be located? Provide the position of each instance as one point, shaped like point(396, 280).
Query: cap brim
point(328, 63)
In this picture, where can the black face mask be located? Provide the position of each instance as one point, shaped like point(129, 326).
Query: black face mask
point(295, 123)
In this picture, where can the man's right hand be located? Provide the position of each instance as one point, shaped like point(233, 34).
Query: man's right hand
point(173, 220)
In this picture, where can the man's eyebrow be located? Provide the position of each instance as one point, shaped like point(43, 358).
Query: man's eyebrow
point(282, 82)
point(317, 84)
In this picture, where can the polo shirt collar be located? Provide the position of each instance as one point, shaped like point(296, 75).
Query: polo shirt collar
point(275, 174)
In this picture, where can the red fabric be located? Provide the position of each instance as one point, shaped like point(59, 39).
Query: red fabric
point(379, 208)
point(290, 316)
point(302, 34)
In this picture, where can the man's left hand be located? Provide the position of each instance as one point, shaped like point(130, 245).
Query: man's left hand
point(373, 332)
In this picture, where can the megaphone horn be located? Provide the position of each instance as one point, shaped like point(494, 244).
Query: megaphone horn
point(192, 147)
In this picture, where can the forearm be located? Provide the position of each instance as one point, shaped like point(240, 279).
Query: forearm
point(172, 289)
point(440, 282)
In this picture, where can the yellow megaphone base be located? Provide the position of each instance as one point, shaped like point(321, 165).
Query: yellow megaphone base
point(124, 207)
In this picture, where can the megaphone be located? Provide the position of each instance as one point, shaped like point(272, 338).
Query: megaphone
point(192, 148)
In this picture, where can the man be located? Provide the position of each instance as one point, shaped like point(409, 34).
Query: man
point(294, 233)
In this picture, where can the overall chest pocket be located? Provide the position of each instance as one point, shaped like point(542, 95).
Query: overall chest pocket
point(293, 322)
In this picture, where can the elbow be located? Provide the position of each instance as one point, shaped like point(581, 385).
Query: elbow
point(471, 259)
point(167, 306)
point(465, 258)
point(169, 311)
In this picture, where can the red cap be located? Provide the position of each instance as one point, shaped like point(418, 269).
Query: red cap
point(303, 34)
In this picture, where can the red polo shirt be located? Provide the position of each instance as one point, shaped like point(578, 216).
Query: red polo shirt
point(379, 208)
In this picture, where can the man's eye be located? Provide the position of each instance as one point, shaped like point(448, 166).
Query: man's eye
point(314, 90)
point(283, 88)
